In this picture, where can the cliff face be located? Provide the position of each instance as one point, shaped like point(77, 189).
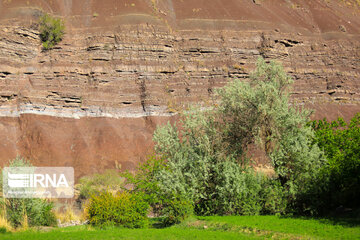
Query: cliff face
point(125, 66)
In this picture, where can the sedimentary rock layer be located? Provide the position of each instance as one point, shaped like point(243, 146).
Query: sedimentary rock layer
point(124, 66)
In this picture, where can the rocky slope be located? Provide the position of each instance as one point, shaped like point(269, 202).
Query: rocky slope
point(125, 66)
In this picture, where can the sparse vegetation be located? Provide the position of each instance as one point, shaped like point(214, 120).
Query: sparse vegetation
point(67, 216)
point(351, 3)
point(52, 31)
point(110, 180)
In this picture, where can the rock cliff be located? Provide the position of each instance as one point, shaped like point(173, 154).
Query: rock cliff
point(125, 66)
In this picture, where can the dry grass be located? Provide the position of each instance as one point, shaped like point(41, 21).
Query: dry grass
point(84, 214)
point(4, 223)
point(67, 216)
point(24, 224)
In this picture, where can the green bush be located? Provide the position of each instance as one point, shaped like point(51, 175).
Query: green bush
point(37, 211)
point(339, 183)
point(173, 209)
point(274, 197)
point(122, 209)
point(51, 31)
point(176, 210)
point(144, 181)
point(237, 192)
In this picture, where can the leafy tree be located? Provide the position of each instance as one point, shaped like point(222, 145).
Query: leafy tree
point(341, 144)
point(51, 31)
point(209, 149)
point(260, 111)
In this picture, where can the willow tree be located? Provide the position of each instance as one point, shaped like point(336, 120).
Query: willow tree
point(260, 111)
point(207, 156)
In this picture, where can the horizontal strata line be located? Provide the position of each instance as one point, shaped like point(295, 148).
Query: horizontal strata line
point(77, 113)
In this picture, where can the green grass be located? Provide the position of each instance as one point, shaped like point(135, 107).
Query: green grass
point(229, 227)
point(80, 233)
point(305, 227)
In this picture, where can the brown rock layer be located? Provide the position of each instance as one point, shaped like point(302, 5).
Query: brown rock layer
point(126, 65)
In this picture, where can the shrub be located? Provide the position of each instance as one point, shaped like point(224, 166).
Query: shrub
point(236, 192)
point(173, 209)
point(110, 180)
point(339, 183)
point(123, 209)
point(28, 211)
point(51, 31)
point(38, 212)
point(274, 197)
point(144, 181)
point(176, 210)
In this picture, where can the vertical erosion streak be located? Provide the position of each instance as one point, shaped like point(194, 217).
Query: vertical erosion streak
point(67, 7)
point(142, 87)
point(172, 12)
point(87, 7)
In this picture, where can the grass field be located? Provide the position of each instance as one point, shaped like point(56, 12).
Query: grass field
point(232, 227)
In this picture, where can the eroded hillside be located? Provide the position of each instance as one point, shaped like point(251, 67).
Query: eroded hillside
point(126, 65)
